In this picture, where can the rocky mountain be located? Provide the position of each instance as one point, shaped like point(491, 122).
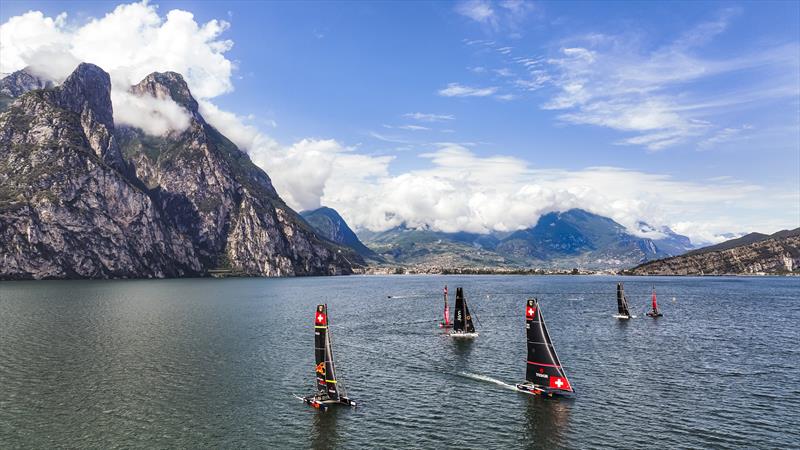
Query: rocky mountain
point(81, 198)
point(330, 225)
point(21, 82)
point(753, 253)
point(574, 238)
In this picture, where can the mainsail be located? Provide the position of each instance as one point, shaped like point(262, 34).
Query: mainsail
point(463, 319)
point(325, 370)
point(655, 312)
point(544, 369)
point(622, 302)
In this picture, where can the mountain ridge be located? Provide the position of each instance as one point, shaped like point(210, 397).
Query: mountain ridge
point(750, 254)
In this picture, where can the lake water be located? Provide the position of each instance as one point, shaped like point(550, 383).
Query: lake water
point(215, 363)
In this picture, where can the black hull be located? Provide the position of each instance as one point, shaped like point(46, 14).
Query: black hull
point(654, 315)
point(323, 405)
point(544, 392)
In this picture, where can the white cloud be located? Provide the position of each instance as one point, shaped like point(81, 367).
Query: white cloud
point(154, 116)
point(496, 15)
point(130, 42)
point(613, 82)
point(505, 193)
point(458, 90)
point(477, 10)
point(428, 117)
point(413, 127)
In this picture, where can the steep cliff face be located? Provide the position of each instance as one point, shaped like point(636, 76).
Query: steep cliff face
point(74, 203)
point(779, 253)
point(66, 211)
point(214, 194)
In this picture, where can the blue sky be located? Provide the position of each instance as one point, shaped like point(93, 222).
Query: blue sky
point(678, 98)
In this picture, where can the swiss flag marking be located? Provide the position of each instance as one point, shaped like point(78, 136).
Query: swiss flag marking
point(559, 383)
point(320, 318)
point(530, 312)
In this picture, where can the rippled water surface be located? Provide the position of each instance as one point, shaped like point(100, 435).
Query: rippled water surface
point(215, 363)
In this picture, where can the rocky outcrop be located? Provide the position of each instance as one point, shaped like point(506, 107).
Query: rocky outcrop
point(776, 254)
point(81, 198)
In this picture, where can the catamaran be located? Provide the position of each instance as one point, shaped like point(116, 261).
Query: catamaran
point(623, 312)
point(544, 375)
point(330, 390)
point(462, 324)
point(655, 312)
point(446, 322)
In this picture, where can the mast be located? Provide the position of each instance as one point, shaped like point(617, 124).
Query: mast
point(325, 371)
point(544, 368)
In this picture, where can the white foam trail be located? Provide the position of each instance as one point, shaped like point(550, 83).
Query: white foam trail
point(478, 377)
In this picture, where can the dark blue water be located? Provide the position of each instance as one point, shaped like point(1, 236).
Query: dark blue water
point(215, 363)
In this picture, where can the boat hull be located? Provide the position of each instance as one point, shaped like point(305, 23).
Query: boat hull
point(323, 405)
point(621, 317)
point(654, 315)
point(543, 392)
point(457, 334)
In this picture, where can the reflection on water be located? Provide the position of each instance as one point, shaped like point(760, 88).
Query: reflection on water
point(325, 432)
point(547, 421)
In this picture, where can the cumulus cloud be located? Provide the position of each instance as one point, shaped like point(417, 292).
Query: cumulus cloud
point(130, 42)
point(462, 191)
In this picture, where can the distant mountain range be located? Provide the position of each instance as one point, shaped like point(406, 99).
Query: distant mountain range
point(573, 238)
point(777, 253)
point(82, 197)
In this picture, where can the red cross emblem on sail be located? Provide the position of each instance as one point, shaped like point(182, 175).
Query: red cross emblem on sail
point(320, 319)
point(560, 383)
point(530, 312)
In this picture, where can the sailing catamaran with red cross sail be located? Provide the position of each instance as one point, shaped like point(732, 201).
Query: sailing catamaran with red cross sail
point(446, 322)
point(544, 374)
point(330, 390)
point(655, 311)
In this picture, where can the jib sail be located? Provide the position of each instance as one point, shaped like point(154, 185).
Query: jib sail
point(544, 368)
point(463, 319)
point(622, 302)
point(325, 370)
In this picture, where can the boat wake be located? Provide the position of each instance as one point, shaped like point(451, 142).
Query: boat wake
point(479, 377)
